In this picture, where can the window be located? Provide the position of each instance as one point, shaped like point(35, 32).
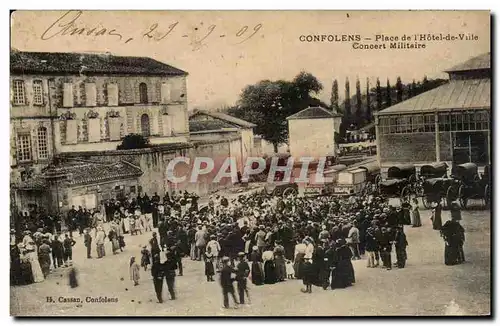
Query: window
point(90, 94)
point(145, 125)
point(43, 152)
point(23, 147)
point(68, 95)
point(112, 94)
point(429, 123)
point(139, 189)
point(37, 92)
point(132, 189)
point(19, 97)
point(444, 122)
point(407, 124)
point(143, 93)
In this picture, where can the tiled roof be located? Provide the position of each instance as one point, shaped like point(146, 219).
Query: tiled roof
point(225, 117)
point(35, 183)
point(76, 63)
point(207, 125)
point(315, 112)
point(457, 94)
point(87, 172)
point(480, 62)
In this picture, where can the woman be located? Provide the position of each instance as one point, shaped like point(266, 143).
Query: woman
point(30, 252)
point(415, 214)
point(298, 265)
point(279, 261)
point(44, 257)
point(454, 237)
point(269, 267)
point(15, 264)
point(134, 271)
point(257, 272)
point(436, 215)
point(344, 273)
point(115, 246)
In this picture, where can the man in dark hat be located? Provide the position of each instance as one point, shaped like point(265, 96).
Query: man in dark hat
point(169, 266)
point(226, 282)
point(242, 272)
point(158, 274)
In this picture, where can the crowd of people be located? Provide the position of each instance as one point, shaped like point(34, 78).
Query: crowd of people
point(267, 239)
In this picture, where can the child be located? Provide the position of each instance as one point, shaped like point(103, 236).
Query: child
point(134, 271)
point(289, 269)
point(308, 276)
point(146, 257)
point(209, 265)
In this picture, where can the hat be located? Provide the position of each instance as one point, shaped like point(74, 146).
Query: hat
point(255, 248)
point(12, 231)
point(225, 259)
point(241, 254)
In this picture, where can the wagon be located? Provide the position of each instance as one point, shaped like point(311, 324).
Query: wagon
point(401, 182)
point(278, 187)
point(437, 189)
point(350, 182)
point(373, 178)
point(435, 170)
point(471, 185)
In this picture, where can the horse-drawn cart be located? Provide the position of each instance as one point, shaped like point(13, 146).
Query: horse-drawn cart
point(400, 182)
point(471, 185)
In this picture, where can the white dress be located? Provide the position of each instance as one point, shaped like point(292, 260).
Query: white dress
point(32, 257)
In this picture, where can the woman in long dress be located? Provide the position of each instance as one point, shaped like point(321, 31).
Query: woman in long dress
point(30, 252)
point(437, 222)
point(344, 274)
point(44, 257)
point(279, 261)
point(453, 234)
point(298, 263)
point(257, 272)
point(269, 267)
point(415, 214)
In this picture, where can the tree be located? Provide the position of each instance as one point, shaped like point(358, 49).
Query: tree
point(347, 101)
point(368, 114)
point(334, 99)
point(388, 99)
point(134, 141)
point(379, 95)
point(358, 97)
point(399, 90)
point(268, 103)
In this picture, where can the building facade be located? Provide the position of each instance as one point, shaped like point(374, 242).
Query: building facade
point(64, 103)
point(450, 123)
point(312, 133)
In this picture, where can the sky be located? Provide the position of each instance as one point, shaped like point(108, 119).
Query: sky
point(221, 64)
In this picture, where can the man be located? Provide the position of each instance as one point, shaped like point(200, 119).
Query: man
point(158, 274)
point(68, 244)
point(242, 272)
point(155, 247)
point(170, 265)
point(162, 230)
point(215, 248)
point(353, 237)
point(87, 240)
point(400, 245)
point(71, 220)
point(226, 282)
point(200, 242)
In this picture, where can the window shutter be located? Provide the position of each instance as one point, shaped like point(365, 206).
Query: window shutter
point(175, 94)
point(165, 93)
point(94, 130)
point(68, 95)
point(112, 95)
point(90, 94)
point(114, 128)
point(167, 125)
point(71, 132)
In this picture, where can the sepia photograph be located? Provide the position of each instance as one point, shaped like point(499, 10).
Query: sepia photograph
point(250, 163)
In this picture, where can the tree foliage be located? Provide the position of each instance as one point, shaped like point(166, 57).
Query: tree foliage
point(399, 90)
point(268, 103)
point(134, 141)
point(334, 99)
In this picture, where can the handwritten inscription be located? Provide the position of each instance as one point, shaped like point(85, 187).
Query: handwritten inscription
point(71, 24)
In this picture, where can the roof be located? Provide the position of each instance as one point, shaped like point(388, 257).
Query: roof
point(226, 118)
point(35, 183)
point(457, 94)
point(81, 172)
point(207, 125)
point(90, 63)
point(314, 112)
point(480, 62)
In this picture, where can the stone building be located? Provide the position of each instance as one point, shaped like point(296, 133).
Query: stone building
point(83, 103)
point(312, 133)
point(450, 123)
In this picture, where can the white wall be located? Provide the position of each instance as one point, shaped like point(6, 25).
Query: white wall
point(311, 137)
